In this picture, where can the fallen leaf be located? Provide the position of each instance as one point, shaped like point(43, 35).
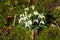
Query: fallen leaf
point(9, 27)
point(32, 36)
point(9, 17)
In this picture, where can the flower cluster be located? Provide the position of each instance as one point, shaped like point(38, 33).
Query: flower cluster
point(31, 20)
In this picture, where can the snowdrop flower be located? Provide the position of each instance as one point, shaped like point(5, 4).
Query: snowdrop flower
point(22, 19)
point(36, 13)
point(33, 7)
point(41, 16)
point(42, 22)
point(26, 9)
point(26, 25)
point(21, 15)
point(25, 17)
point(36, 21)
point(29, 22)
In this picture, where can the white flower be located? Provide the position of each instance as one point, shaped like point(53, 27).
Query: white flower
point(29, 22)
point(41, 16)
point(26, 9)
point(21, 15)
point(26, 24)
point(42, 22)
point(33, 7)
point(25, 17)
point(22, 19)
point(36, 21)
point(36, 13)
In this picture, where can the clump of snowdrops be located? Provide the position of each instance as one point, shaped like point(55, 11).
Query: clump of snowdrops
point(31, 19)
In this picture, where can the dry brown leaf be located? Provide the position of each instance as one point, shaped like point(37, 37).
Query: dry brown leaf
point(32, 36)
point(9, 27)
point(9, 17)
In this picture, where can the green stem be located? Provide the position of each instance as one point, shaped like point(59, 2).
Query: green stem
point(14, 19)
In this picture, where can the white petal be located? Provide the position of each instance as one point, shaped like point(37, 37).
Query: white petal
point(26, 9)
point(22, 19)
point(42, 22)
point(41, 16)
point(36, 13)
point(29, 22)
point(36, 21)
point(26, 24)
point(21, 15)
point(33, 7)
point(25, 17)
point(19, 21)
